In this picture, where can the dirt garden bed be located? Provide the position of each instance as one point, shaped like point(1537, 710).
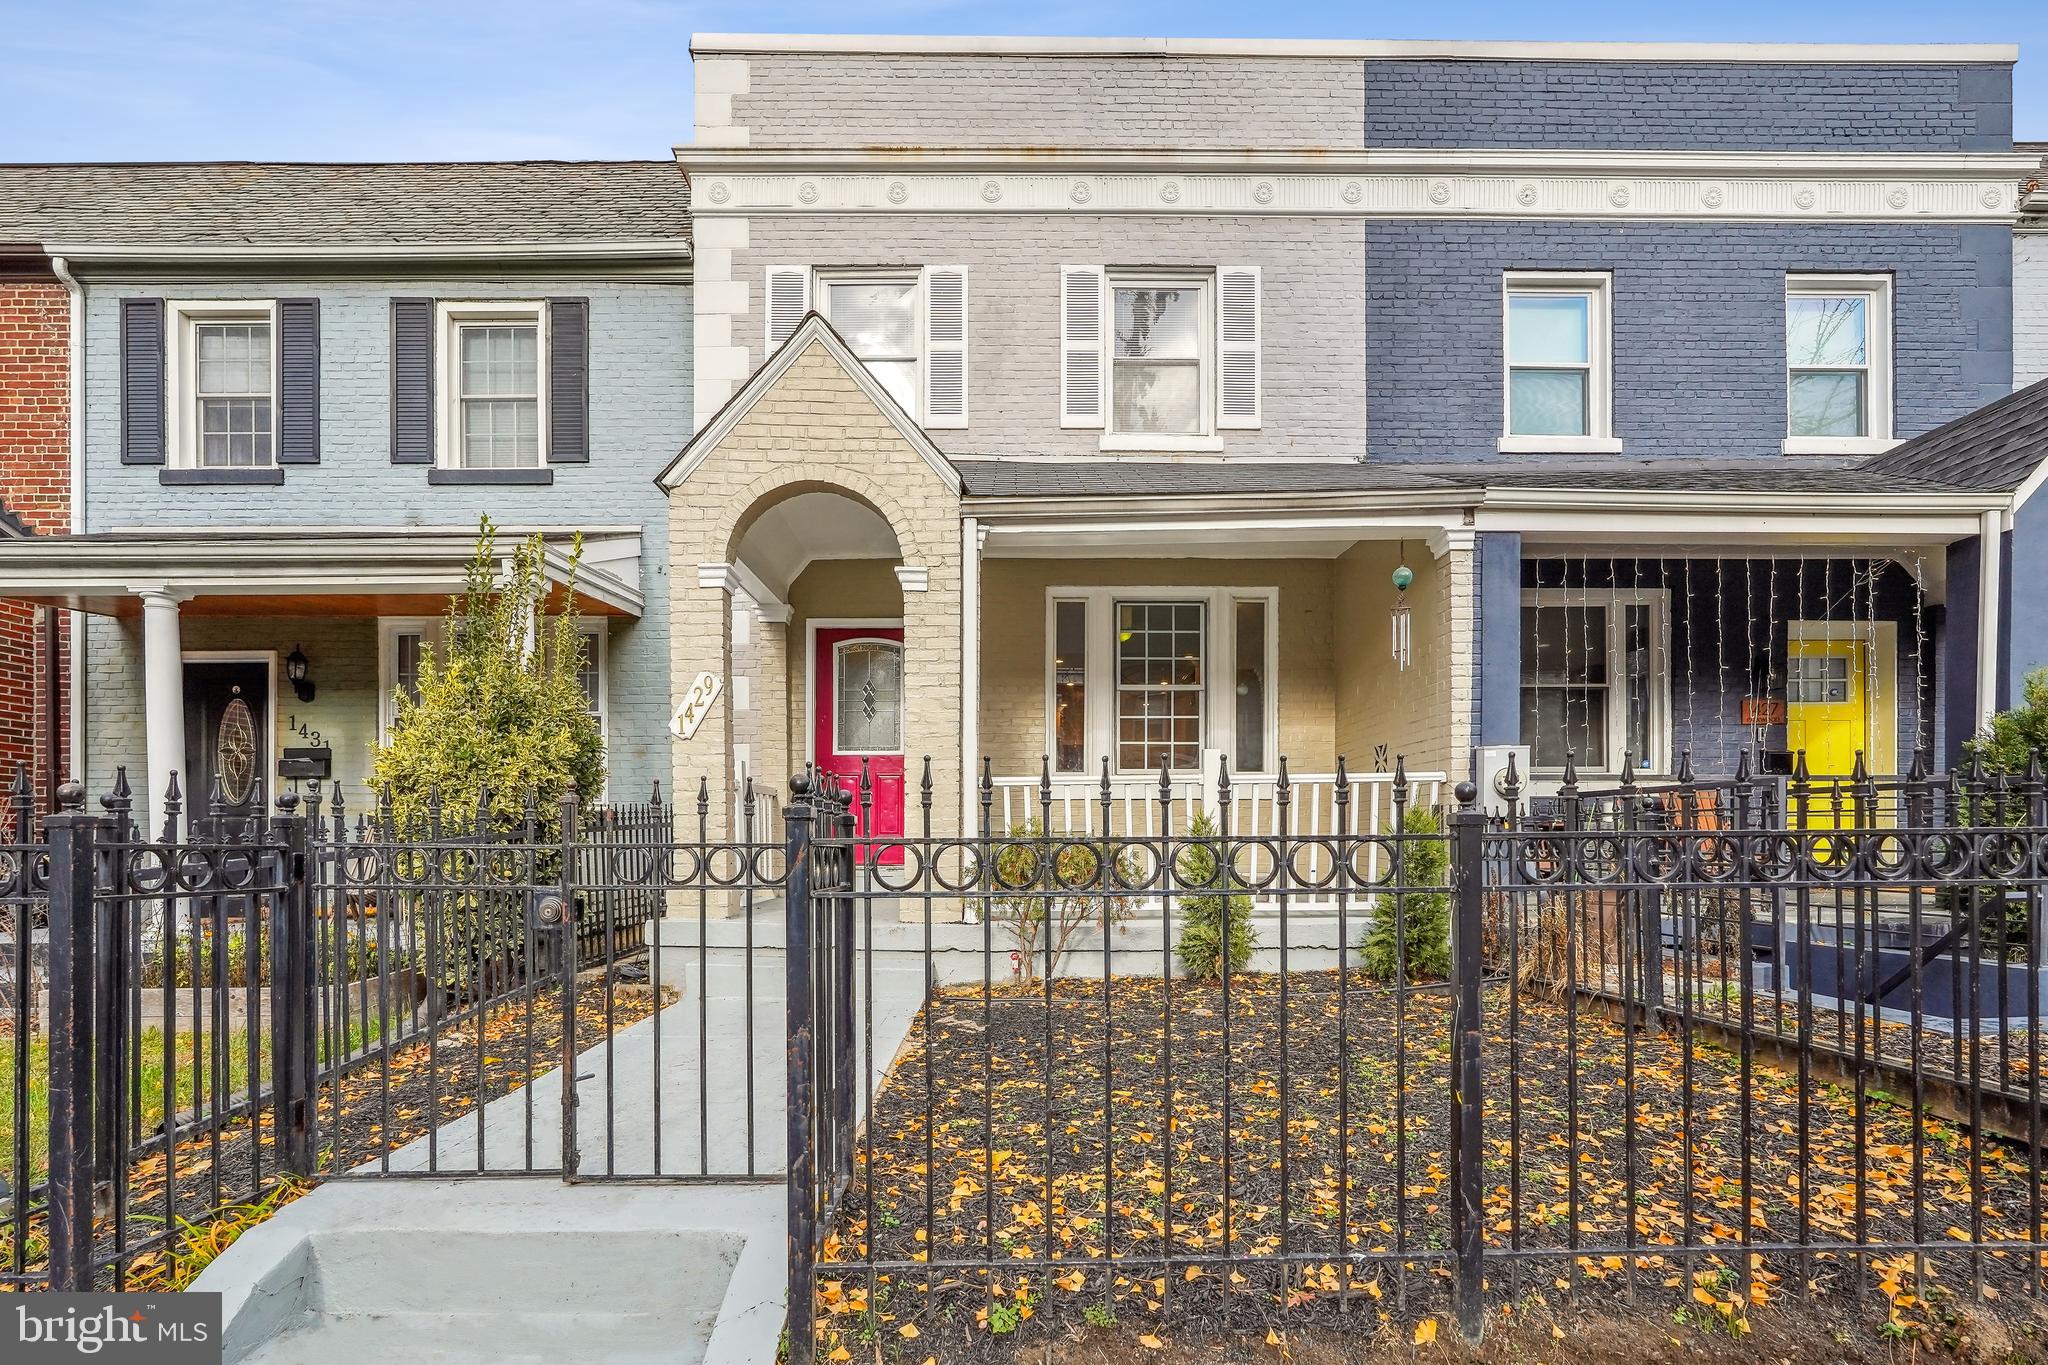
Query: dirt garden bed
point(1037, 1135)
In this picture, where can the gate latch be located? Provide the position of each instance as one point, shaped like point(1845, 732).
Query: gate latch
point(547, 910)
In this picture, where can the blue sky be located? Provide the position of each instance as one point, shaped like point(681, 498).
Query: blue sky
point(386, 79)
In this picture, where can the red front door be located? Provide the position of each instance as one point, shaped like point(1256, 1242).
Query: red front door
point(857, 678)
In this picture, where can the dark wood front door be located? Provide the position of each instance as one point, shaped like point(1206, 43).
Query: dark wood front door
point(227, 736)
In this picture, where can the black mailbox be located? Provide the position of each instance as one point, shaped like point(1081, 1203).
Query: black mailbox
point(306, 765)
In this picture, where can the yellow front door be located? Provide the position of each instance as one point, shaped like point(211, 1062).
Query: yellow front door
point(1827, 715)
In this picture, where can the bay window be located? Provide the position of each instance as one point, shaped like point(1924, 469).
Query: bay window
point(1162, 675)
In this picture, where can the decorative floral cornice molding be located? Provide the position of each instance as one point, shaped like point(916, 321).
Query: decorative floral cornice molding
point(1509, 184)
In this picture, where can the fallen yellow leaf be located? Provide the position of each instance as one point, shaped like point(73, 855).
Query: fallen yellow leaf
point(1151, 1343)
point(908, 1331)
point(1425, 1332)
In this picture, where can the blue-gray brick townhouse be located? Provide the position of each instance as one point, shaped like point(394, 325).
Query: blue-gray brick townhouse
point(1357, 400)
point(300, 387)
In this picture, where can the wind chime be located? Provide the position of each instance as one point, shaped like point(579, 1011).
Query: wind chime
point(1402, 627)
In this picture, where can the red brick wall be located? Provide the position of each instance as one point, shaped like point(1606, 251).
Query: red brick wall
point(35, 487)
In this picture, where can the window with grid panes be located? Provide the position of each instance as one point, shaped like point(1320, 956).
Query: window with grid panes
point(1160, 682)
point(499, 387)
point(232, 387)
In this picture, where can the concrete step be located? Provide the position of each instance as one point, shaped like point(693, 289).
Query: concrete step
point(498, 1338)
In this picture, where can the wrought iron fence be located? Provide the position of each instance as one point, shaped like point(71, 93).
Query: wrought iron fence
point(1719, 1041)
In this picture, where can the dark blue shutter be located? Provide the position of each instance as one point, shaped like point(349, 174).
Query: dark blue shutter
point(298, 381)
point(568, 381)
point(142, 381)
point(412, 381)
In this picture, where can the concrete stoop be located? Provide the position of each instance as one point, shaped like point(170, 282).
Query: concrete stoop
point(510, 1271)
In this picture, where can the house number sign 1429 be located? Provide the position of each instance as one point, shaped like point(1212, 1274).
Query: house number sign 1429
point(697, 704)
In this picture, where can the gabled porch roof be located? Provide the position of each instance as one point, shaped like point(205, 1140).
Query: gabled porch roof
point(270, 571)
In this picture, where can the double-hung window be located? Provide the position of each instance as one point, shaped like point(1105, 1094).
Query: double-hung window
point(1160, 359)
point(1160, 675)
point(224, 385)
point(878, 317)
point(1837, 364)
point(1160, 356)
point(494, 382)
point(1558, 381)
point(1595, 679)
point(906, 324)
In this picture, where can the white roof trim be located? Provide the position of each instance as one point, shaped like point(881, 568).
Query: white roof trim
point(813, 329)
point(332, 251)
point(260, 562)
point(938, 158)
point(706, 44)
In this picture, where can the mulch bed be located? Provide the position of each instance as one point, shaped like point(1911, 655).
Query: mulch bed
point(1101, 1197)
point(214, 1186)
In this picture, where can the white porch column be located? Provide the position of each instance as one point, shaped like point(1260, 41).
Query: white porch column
point(1990, 546)
point(970, 671)
point(163, 701)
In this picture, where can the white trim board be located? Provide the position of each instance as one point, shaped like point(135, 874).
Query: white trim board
point(703, 44)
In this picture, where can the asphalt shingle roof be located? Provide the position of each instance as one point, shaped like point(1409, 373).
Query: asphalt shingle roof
point(991, 478)
point(398, 204)
point(1996, 447)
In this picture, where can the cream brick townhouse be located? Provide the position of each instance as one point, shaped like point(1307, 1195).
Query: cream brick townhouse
point(1127, 404)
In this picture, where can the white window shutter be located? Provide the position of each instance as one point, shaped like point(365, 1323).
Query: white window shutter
point(945, 346)
point(1237, 347)
point(1081, 346)
point(789, 298)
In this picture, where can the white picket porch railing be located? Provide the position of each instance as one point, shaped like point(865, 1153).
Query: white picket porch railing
point(1136, 811)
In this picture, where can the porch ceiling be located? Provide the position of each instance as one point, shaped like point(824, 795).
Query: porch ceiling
point(279, 571)
point(783, 540)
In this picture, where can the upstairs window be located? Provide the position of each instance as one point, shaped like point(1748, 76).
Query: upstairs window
point(877, 315)
point(1557, 382)
point(907, 325)
point(1837, 363)
point(1159, 358)
point(233, 384)
point(499, 394)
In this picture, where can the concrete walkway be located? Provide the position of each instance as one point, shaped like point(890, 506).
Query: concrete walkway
point(501, 1270)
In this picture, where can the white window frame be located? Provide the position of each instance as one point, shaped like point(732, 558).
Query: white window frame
point(598, 633)
point(1126, 277)
point(1658, 600)
point(181, 373)
point(824, 277)
point(451, 315)
point(1596, 286)
point(389, 628)
point(1099, 682)
point(1876, 291)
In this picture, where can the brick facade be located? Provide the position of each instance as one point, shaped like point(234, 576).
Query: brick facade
point(1699, 320)
point(35, 492)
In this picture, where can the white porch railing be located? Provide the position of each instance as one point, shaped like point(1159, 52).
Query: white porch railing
point(1136, 810)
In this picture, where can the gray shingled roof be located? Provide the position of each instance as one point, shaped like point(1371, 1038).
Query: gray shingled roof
point(989, 478)
point(1995, 447)
point(409, 204)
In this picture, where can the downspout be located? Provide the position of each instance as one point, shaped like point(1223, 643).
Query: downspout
point(76, 412)
point(1990, 545)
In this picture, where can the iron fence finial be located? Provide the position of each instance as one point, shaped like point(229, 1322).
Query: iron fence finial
point(1467, 793)
point(71, 795)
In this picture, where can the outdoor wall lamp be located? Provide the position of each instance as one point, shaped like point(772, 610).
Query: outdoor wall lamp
point(295, 673)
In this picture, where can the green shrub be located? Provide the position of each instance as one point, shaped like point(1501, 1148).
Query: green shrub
point(194, 964)
point(1424, 949)
point(500, 715)
point(1204, 917)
